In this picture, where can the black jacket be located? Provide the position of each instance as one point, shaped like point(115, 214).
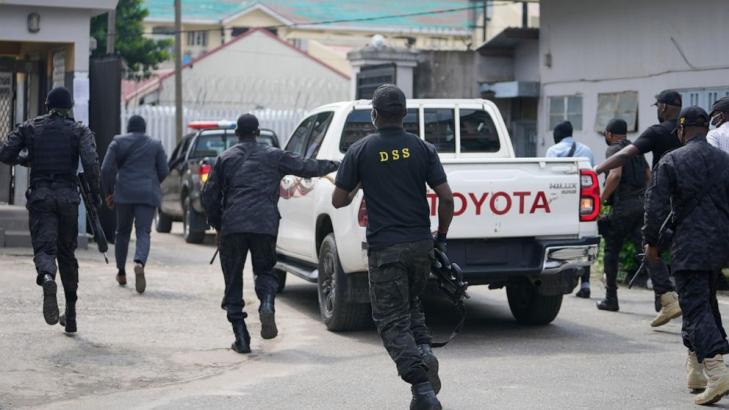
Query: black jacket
point(133, 169)
point(78, 141)
point(241, 195)
point(701, 239)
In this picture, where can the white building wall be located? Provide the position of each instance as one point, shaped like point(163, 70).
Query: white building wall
point(601, 46)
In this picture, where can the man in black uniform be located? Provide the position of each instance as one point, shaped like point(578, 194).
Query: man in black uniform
point(624, 189)
point(54, 143)
point(393, 168)
point(657, 139)
point(240, 199)
point(693, 182)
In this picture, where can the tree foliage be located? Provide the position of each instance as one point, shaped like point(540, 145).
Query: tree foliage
point(141, 54)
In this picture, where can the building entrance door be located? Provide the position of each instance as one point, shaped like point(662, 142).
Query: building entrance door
point(7, 103)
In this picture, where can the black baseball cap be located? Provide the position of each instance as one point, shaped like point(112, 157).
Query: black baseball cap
point(721, 105)
point(693, 116)
point(617, 126)
point(247, 124)
point(389, 99)
point(669, 97)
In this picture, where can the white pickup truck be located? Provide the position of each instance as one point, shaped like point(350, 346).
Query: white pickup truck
point(526, 224)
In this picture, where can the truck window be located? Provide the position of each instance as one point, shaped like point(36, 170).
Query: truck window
point(440, 129)
point(297, 143)
point(478, 132)
point(319, 130)
point(359, 125)
point(214, 143)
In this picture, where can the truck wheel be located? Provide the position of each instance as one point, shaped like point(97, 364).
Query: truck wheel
point(189, 219)
point(336, 312)
point(529, 307)
point(281, 279)
point(163, 223)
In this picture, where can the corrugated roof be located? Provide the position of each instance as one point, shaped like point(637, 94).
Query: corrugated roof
point(308, 11)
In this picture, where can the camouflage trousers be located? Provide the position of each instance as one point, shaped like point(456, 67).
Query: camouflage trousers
point(398, 275)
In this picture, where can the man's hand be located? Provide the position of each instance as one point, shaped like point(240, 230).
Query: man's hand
point(110, 201)
point(651, 253)
point(440, 242)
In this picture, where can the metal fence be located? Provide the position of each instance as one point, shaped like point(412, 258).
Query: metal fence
point(161, 120)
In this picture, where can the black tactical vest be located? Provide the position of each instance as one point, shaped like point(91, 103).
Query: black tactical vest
point(54, 150)
point(632, 181)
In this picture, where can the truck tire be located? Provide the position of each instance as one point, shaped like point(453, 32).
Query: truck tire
point(281, 279)
point(189, 220)
point(336, 312)
point(529, 307)
point(163, 223)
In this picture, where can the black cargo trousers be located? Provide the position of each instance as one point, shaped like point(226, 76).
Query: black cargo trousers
point(53, 217)
point(398, 275)
point(233, 251)
point(702, 330)
point(625, 220)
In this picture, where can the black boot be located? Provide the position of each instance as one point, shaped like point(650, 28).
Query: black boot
point(424, 397)
point(68, 319)
point(267, 314)
point(583, 293)
point(242, 342)
point(50, 303)
point(432, 363)
point(610, 303)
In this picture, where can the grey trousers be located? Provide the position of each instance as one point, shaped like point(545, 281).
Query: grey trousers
point(141, 217)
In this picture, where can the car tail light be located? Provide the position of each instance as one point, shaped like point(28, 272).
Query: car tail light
point(204, 172)
point(362, 214)
point(589, 196)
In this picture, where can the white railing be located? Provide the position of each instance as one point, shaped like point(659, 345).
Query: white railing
point(161, 120)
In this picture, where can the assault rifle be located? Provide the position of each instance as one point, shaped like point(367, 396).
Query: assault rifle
point(665, 236)
point(92, 215)
point(449, 277)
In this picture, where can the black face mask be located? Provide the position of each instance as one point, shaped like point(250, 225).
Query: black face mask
point(607, 142)
point(660, 117)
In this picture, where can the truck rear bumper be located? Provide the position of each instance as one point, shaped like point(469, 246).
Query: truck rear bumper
point(497, 261)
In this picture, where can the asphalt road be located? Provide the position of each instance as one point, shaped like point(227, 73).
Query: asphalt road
point(169, 349)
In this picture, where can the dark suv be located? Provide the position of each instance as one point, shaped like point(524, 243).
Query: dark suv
point(190, 165)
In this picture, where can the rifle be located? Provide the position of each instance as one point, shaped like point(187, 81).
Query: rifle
point(449, 277)
point(92, 215)
point(665, 236)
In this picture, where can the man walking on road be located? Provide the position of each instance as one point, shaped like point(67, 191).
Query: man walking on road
point(719, 137)
point(624, 189)
point(658, 139)
point(132, 171)
point(54, 143)
point(241, 201)
point(393, 168)
point(693, 182)
point(565, 146)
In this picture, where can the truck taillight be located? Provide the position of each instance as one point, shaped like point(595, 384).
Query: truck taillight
point(204, 172)
point(362, 214)
point(589, 196)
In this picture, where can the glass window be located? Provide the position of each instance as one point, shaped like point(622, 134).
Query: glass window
point(319, 130)
point(622, 105)
point(359, 125)
point(440, 129)
point(297, 142)
point(197, 38)
point(565, 108)
point(478, 132)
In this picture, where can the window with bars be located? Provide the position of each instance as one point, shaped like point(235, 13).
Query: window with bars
point(703, 97)
point(565, 108)
point(197, 38)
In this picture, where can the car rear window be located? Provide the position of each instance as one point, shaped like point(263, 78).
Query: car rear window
point(359, 125)
point(213, 144)
point(478, 132)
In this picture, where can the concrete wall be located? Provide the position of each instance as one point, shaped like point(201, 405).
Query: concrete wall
point(446, 74)
point(622, 45)
point(258, 71)
point(526, 61)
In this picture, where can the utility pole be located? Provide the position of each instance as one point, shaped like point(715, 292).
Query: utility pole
point(110, 32)
point(485, 18)
point(178, 69)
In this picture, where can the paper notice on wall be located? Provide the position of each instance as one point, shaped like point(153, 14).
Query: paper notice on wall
point(81, 97)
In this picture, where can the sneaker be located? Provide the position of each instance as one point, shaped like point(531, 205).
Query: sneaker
point(139, 282)
point(583, 293)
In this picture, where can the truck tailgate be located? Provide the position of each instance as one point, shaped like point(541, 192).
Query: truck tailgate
point(505, 198)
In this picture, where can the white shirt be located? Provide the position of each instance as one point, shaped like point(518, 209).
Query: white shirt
point(719, 137)
point(561, 149)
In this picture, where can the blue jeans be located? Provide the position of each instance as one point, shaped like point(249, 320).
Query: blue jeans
point(141, 217)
